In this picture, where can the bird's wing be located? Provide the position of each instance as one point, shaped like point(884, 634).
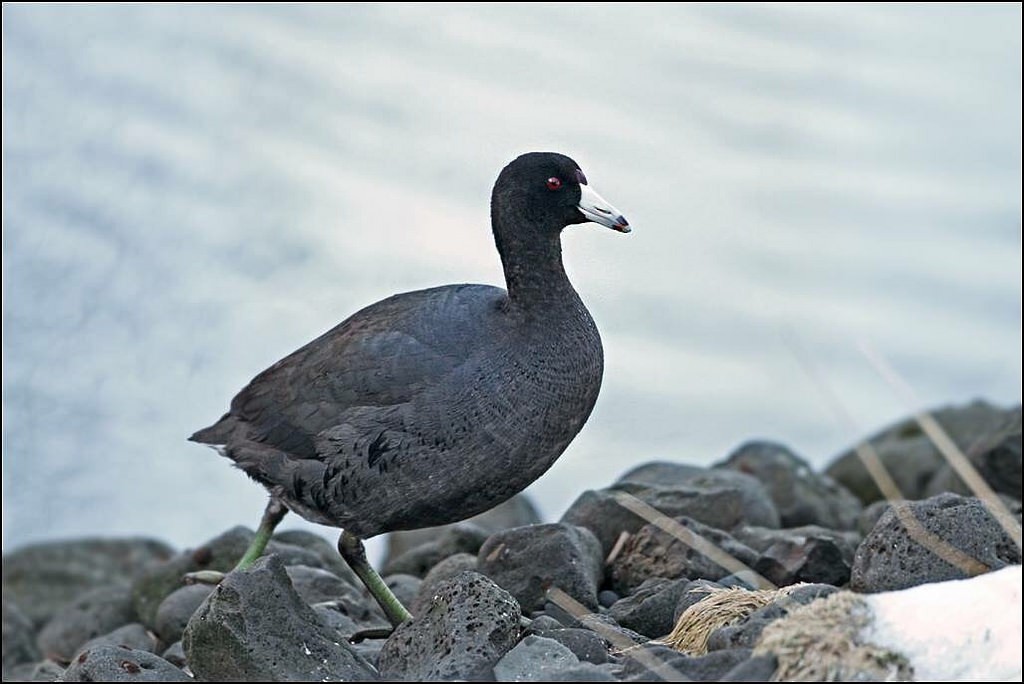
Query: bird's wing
point(383, 355)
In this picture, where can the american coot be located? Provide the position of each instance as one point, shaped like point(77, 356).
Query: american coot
point(431, 406)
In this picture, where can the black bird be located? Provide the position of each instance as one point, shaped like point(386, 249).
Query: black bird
point(429, 407)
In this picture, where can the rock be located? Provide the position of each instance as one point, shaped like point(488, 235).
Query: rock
point(404, 587)
point(606, 598)
point(316, 585)
point(870, 516)
point(801, 554)
point(132, 635)
point(461, 537)
point(470, 625)
point(175, 655)
point(846, 541)
point(326, 551)
point(255, 626)
point(221, 554)
point(909, 454)
point(534, 659)
point(449, 567)
point(997, 459)
point(757, 504)
point(19, 642)
point(586, 645)
point(652, 552)
point(675, 666)
point(42, 578)
point(514, 512)
point(176, 610)
point(527, 561)
point(120, 664)
point(720, 499)
point(746, 633)
point(45, 671)
point(586, 672)
point(592, 621)
point(544, 622)
point(650, 610)
point(801, 496)
point(337, 620)
point(357, 607)
point(94, 613)
point(755, 669)
point(890, 558)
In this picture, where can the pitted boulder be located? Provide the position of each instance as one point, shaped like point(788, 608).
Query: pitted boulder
point(256, 627)
point(469, 625)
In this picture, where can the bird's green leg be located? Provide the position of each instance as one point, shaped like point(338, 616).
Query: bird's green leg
point(351, 549)
point(272, 516)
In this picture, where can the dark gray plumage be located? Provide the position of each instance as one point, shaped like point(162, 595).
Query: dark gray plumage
point(431, 406)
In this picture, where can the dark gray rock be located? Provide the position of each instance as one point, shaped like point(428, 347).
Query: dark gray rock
point(870, 516)
point(801, 496)
point(721, 499)
point(745, 579)
point(446, 569)
point(586, 672)
point(762, 538)
point(997, 459)
point(45, 671)
point(358, 607)
point(339, 621)
point(606, 598)
point(42, 578)
point(706, 668)
point(527, 561)
point(585, 644)
point(742, 635)
point(132, 635)
point(653, 552)
point(909, 454)
point(326, 551)
point(19, 642)
point(470, 625)
point(756, 669)
point(255, 626)
point(464, 537)
point(802, 554)
point(175, 655)
point(316, 585)
point(543, 622)
point(534, 659)
point(120, 664)
point(404, 587)
point(515, 512)
point(890, 558)
point(176, 610)
point(94, 613)
point(805, 594)
point(220, 554)
point(650, 610)
point(757, 504)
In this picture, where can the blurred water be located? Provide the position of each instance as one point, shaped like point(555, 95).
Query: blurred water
point(191, 192)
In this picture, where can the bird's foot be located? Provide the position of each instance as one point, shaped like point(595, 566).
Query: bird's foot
point(372, 633)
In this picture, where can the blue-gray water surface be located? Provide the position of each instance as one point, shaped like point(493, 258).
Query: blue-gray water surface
point(191, 192)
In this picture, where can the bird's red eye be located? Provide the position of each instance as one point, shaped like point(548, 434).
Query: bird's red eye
point(554, 183)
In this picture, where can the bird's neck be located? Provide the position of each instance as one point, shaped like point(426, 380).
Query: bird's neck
point(531, 256)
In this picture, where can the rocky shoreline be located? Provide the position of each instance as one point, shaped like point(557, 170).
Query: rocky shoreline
point(630, 585)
